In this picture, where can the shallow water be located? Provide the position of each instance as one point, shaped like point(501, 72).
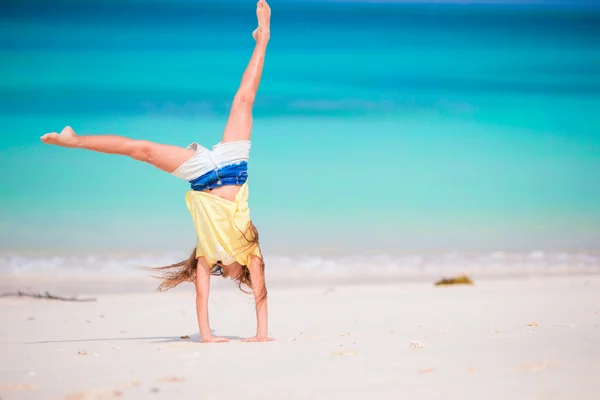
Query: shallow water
point(379, 129)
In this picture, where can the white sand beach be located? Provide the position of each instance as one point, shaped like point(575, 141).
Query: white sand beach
point(528, 338)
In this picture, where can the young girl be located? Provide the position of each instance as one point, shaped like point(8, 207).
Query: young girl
point(218, 202)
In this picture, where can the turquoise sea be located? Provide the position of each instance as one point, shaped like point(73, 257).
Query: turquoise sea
point(388, 136)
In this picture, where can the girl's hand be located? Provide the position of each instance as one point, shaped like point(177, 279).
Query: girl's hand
point(259, 339)
point(215, 339)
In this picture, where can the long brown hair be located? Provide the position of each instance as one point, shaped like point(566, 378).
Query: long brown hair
point(185, 270)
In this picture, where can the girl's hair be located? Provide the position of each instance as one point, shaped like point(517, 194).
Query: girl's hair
point(185, 271)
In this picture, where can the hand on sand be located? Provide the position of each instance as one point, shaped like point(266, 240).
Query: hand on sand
point(259, 339)
point(215, 339)
point(66, 138)
point(263, 14)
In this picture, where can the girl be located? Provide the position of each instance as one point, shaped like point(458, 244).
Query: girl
point(218, 202)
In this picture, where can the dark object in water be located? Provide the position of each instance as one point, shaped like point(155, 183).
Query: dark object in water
point(460, 280)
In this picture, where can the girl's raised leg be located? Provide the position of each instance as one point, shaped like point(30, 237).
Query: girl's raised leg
point(162, 156)
point(239, 124)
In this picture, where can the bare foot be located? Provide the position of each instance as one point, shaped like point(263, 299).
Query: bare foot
point(263, 14)
point(66, 138)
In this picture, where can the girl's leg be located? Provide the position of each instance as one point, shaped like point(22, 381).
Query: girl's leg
point(239, 124)
point(162, 156)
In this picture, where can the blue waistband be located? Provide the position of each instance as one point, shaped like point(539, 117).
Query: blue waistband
point(234, 174)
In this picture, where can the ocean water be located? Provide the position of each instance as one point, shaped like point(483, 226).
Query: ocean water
point(389, 138)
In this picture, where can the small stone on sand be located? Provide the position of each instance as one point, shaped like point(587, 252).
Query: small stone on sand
point(345, 353)
point(172, 378)
point(534, 367)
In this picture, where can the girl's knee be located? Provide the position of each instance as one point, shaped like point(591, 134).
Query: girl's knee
point(244, 97)
point(141, 150)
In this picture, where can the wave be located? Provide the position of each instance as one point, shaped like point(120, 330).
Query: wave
point(313, 267)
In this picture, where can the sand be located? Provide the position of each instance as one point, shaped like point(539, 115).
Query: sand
point(528, 338)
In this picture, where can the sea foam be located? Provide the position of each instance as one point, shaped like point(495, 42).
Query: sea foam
point(313, 267)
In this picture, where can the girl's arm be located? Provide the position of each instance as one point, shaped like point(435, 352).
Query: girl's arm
point(258, 288)
point(202, 291)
